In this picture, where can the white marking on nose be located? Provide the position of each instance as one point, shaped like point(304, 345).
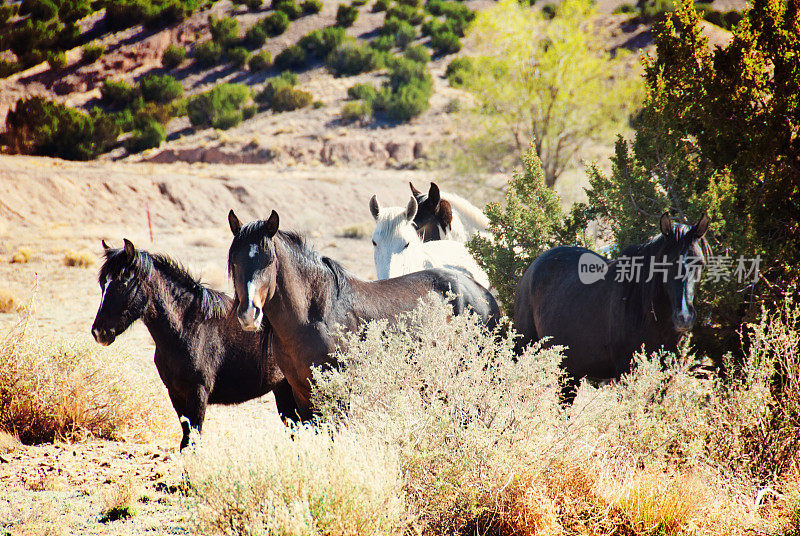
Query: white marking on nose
point(253, 250)
point(103, 293)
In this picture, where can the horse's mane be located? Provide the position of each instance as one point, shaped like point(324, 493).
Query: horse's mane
point(209, 303)
point(472, 215)
point(651, 250)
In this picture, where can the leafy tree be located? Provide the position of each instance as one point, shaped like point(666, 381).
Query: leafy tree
point(529, 92)
point(220, 107)
point(719, 132)
point(527, 224)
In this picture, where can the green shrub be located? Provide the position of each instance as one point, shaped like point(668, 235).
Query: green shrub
point(173, 57)
point(291, 58)
point(275, 24)
point(390, 26)
point(403, 71)
point(365, 92)
point(346, 15)
point(255, 36)
point(357, 110)
point(208, 53)
point(7, 68)
point(408, 102)
point(287, 99)
point(238, 56)
point(148, 136)
point(381, 5)
point(249, 111)
point(220, 107)
point(122, 14)
point(351, 58)
point(261, 61)
point(549, 11)
point(266, 95)
point(39, 9)
point(321, 42)
point(57, 59)
point(445, 43)
point(407, 13)
point(458, 70)
point(91, 53)
point(412, 3)
point(224, 31)
point(254, 5)
point(311, 7)
point(37, 126)
point(358, 3)
point(450, 9)
point(626, 9)
point(406, 33)
point(292, 10)
point(384, 43)
point(418, 53)
point(118, 94)
point(160, 88)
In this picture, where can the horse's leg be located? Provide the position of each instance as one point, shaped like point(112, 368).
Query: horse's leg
point(191, 410)
point(285, 403)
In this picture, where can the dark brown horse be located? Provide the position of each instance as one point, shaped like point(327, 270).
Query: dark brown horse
point(202, 355)
point(306, 298)
point(602, 311)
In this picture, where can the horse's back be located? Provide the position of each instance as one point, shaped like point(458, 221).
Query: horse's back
point(467, 294)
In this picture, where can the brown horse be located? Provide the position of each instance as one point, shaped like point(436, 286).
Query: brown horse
point(306, 298)
point(202, 355)
point(603, 315)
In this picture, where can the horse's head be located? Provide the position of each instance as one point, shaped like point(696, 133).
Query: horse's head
point(686, 252)
point(394, 234)
point(123, 299)
point(253, 267)
point(434, 213)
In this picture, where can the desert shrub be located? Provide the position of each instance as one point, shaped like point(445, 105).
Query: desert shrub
point(8, 302)
point(21, 256)
point(292, 10)
point(311, 7)
point(254, 5)
point(351, 58)
point(126, 13)
point(406, 33)
point(381, 5)
point(384, 43)
point(445, 42)
point(412, 3)
point(208, 53)
point(407, 102)
point(117, 93)
point(359, 110)
point(149, 135)
point(407, 92)
point(220, 107)
point(266, 95)
point(418, 53)
point(275, 23)
point(260, 61)
point(286, 99)
point(320, 43)
point(70, 388)
point(224, 31)
point(238, 56)
point(358, 3)
point(346, 15)
point(57, 59)
point(91, 53)
point(39, 9)
point(249, 111)
point(255, 36)
point(173, 56)
point(118, 501)
point(626, 9)
point(80, 259)
point(458, 70)
point(159, 88)
point(390, 26)
point(291, 58)
point(365, 92)
point(38, 126)
point(406, 13)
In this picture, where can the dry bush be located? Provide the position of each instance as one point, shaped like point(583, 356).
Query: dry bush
point(8, 302)
point(471, 440)
point(118, 500)
point(22, 256)
point(357, 230)
point(8, 442)
point(69, 388)
point(82, 259)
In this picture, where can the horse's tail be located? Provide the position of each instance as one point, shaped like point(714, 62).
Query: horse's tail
point(473, 218)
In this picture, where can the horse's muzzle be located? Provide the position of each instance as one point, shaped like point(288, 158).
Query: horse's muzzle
point(683, 321)
point(103, 336)
point(250, 319)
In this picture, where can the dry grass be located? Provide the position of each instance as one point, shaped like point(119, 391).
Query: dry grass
point(357, 231)
point(8, 302)
point(70, 388)
point(119, 500)
point(22, 256)
point(82, 259)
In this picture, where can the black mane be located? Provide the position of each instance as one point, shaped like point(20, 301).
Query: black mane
point(208, 302)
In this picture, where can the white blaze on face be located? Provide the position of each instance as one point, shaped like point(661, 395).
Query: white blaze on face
point(103, 290)
point(253, 250)
point(397, 245)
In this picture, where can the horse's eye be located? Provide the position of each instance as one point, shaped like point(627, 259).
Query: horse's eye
point(374, 243)
point(404, 247)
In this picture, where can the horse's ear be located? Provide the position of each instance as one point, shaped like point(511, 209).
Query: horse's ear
point(375, 207)
point(411, 209)
point(130, 251)
point(445, 214)
point(272, 224)
point(414, 190)
point(434, 195)
point(666, 224)
point(105, 246)
point(234, 222)
point(701, 226)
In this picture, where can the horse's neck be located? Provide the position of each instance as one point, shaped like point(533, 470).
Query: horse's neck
point(165, 314)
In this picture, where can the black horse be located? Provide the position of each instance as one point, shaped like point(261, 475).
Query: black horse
point(202, 355)
point(604, 314)
point(306, 298)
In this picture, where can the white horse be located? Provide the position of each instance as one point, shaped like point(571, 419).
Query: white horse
point(446, 216)
point(399, 249)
